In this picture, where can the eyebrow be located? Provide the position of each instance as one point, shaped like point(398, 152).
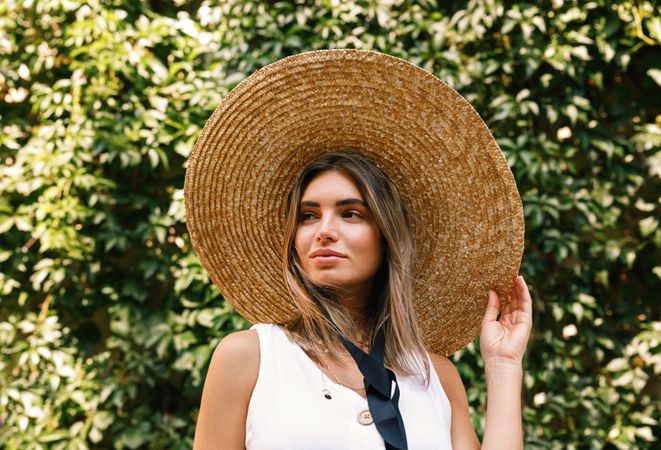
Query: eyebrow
point(346, 201)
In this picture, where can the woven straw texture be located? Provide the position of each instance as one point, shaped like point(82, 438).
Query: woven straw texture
point(466, 211)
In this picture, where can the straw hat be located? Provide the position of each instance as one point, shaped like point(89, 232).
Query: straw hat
point(466, 212)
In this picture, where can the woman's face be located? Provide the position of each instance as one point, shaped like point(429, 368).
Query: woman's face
point(337, 240)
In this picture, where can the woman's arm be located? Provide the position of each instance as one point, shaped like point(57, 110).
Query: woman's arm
point(502, 344)
point(227, 390)
point(503, 421)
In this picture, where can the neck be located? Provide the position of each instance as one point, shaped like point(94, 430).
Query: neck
point(357, 302)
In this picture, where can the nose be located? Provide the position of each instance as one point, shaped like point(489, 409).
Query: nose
point(324, 235)
point(326, 231)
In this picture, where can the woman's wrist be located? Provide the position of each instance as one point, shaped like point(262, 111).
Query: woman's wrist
point(505, 370)
point(502, 364)
point(503, 417)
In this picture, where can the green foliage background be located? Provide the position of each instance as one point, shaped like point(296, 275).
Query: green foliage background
point(107, 320)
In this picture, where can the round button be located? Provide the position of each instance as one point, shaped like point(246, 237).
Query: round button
point(365, 417)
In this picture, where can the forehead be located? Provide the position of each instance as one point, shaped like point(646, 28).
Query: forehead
point(332, 183)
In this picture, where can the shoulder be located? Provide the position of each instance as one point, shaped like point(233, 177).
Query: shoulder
point(463, 434)
point(240, 346)
point(235, 362)
point(443, 366)
point(238, 343)
point(449, 378)
point(227, 390)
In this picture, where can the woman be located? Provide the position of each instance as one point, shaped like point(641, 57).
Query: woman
point(357, 277)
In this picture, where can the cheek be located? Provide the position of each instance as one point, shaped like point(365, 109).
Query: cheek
point(373, 246)
point(301, 243)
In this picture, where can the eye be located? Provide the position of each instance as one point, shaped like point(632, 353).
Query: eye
point(305, 216)
point(353, 214)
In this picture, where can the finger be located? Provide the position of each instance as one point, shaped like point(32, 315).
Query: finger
point(491, 313)
point(523, 294)
point(511, 303)
point(515, 298)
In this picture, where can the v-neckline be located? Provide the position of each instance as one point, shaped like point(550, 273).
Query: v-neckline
point(310, 362)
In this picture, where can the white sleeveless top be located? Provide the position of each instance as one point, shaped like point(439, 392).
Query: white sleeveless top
point(288, 411)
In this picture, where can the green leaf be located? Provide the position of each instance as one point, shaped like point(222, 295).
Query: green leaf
point(655, 74)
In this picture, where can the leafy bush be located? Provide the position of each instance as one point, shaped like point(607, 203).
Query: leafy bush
point(107, 320)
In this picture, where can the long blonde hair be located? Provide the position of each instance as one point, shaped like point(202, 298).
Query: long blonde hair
point(392, 306)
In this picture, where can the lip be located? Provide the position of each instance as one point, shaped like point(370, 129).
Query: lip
point(326, 260)
point(326, 254)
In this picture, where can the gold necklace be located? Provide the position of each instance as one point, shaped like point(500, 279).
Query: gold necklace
point(337, 379)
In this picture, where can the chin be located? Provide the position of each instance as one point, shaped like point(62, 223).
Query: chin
point(338, 284)
point(328, 282)
point(325, 282)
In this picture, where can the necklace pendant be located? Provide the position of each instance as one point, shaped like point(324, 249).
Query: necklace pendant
point(327, 394)
point(365, 417)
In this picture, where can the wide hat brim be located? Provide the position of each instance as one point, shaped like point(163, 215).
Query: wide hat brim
point(466, 213)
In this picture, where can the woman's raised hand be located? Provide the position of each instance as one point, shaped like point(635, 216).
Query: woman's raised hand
point(504, 340)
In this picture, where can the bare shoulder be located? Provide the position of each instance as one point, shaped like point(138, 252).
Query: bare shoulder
point(235, 364)
point(240, 344)
point(441, 361)
point(227, 390)
point(237, 354)
point(449, 377)
point(463, 434)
